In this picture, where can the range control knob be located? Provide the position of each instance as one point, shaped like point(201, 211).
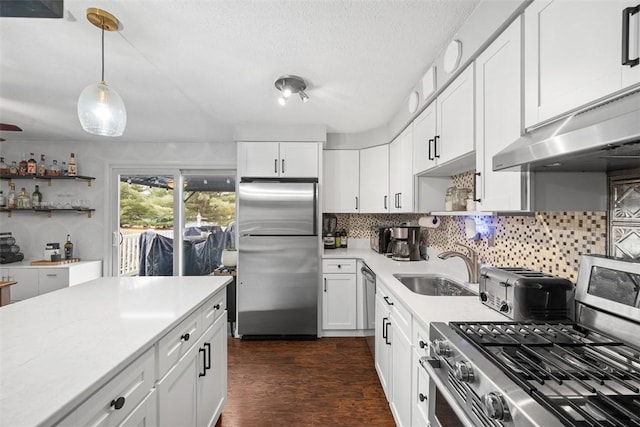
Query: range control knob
point(504, 307)
point(483, 296)
point(441, 347)
point(463, 372)
point(495, 407)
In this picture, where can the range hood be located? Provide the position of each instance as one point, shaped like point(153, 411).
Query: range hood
point(603, 138)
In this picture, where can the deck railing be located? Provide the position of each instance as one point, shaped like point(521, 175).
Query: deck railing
point(130, 252)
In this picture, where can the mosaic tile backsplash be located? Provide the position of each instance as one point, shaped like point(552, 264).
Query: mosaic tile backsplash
point(551, 242)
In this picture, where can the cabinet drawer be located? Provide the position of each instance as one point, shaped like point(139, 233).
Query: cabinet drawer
point(52, 279)
point(421, 403)
point(145, 414)
point(420, 338)
point(178, 341)
point(213, 308)
point(338, 266)
point(125, 391)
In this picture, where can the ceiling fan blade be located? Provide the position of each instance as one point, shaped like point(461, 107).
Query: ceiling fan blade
point(9, 127)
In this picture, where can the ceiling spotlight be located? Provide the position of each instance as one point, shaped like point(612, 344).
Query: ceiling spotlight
point(100, 108)
point(289, 85)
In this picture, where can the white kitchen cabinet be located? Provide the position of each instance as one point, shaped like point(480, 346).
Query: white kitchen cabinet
point(374, 179)
point(382, 343)
point(401, 172)
point(341, 181)
point(177, 391)
point(572, 55)
point(339, 301)
point(278, 159)
point(420, 394)
point(631, 75)
point(444, 131)
point(145, 415)
point(27, 282)
point(498, 122)
point(211, 389)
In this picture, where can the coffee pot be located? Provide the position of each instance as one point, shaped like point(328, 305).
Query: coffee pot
point(405, 244)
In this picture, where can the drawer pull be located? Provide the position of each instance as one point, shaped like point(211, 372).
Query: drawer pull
point(204, 362)
point(217, 306)
point(117, 403)
point(386, 298)
point(207, 364)
point(422, 397)
point(185, 337)
point(422, 344)
point(52, 275)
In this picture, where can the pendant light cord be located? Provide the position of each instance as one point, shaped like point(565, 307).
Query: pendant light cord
point(103, 52)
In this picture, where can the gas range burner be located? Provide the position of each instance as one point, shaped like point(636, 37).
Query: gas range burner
point(599, 410)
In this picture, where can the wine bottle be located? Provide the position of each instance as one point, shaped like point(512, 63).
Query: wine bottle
point(68, 248)
point(36, 197)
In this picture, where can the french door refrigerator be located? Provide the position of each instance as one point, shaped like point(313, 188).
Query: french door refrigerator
point(278, 259)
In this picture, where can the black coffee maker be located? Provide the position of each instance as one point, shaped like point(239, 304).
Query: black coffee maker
point(329, 226)
point(405, 243)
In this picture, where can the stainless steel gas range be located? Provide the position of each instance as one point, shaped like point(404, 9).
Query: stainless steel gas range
point(548, 373)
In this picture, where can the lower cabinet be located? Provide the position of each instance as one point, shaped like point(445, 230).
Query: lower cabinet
point(211, 389)
point(145, 414)
point(382, 343)
point(339, 296)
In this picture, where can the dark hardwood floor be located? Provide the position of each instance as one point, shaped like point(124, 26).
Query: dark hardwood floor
point(327, 382)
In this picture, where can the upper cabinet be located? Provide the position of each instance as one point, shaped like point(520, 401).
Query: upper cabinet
point(498, 122)
point(341, 181)
point(444, 132)
point(573, 54)
point(401, 172)
point(374, 179)
point(278, 159)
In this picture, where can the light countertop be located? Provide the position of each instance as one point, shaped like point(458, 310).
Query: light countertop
point(27, 264)
point(58, 348)
point(425, 308)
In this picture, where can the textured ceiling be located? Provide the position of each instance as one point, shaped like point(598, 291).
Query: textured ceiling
point(190, 70)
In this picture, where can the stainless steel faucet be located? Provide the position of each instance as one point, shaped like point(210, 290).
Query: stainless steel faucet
point(471, 261)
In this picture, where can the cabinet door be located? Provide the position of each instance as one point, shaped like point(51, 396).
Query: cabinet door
point(259, 159)
point(400, 375)
point(401, 172)
point(212, 387)
point(298, 160)
point(374, 179)
point(383, 345)
point(456, 118)
point(52, 279)
point(145, 415)
point(424, 132)
point(177, 391)
point(420, 410)
point(572, 55)
point(27, 283)
point(498, 106)
point(339, 301)
point(341, 181)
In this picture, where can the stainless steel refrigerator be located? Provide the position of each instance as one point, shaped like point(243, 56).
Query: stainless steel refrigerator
point(278, 259)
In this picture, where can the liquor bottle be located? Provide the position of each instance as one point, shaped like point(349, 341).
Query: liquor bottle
point(32, 165)
point(22, 167)
point(68, 248)
point(63, 169)
point(13, 169)
point(343, 239)
point(23, 200)
point(72, 167)
point(42, 166)
point(3, 200)
point(4, 168)
point(54, 169)
point(338, 239)
point(11, 197)
point(36, 197)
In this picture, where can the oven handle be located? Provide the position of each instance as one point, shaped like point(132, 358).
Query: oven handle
point(426, 363)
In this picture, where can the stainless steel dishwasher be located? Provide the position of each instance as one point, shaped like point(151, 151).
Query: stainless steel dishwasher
point(369, 312)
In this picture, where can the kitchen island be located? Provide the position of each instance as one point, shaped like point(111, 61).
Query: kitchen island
point(60, 349)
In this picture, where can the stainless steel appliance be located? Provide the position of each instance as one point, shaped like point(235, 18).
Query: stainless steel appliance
point(369, 285)
point(380, 239)
point(548, 373)
point(523, 294)
point(278, 264)
point(405, 245)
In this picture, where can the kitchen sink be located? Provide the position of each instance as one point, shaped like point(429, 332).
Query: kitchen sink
point(433, 285)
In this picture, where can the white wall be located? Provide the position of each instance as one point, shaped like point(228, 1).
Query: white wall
point(91, 235)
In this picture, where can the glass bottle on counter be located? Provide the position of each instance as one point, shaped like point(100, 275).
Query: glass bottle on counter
point(11, 197)
point(32, 165)
point(72, 167)
point(68, 248)
point(42, 166)
point(343, 239)
point(4, 168)
point(36, 197)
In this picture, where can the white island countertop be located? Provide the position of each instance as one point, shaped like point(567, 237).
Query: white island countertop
point(425, 308)
point(60, 347)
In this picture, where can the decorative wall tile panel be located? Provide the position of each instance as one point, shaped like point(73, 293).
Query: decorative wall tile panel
point(624, 225)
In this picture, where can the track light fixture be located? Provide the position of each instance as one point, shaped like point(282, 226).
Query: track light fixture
point(289, 85)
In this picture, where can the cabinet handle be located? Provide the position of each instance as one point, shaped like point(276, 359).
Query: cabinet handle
point(386, 298)
point(275, 165)
point(356, 202)
point(399, 200)
point(385, 202)
point(52, 275)
point(384, 328)
point(325, 284)
point(422, 344)
point(626, 15)
point(435, 146)
point(422, 397)
point(117, 403)
point(386, 338)
point(185, 337)
point(204, 362)
point(282, 166)
point(475, 187)
point(207, 364)
point(217, 306)
point(431, 155)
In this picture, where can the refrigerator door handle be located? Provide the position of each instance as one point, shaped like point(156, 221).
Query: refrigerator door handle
point(315, 208)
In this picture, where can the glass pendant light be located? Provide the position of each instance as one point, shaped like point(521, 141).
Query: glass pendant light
point(100, 108)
